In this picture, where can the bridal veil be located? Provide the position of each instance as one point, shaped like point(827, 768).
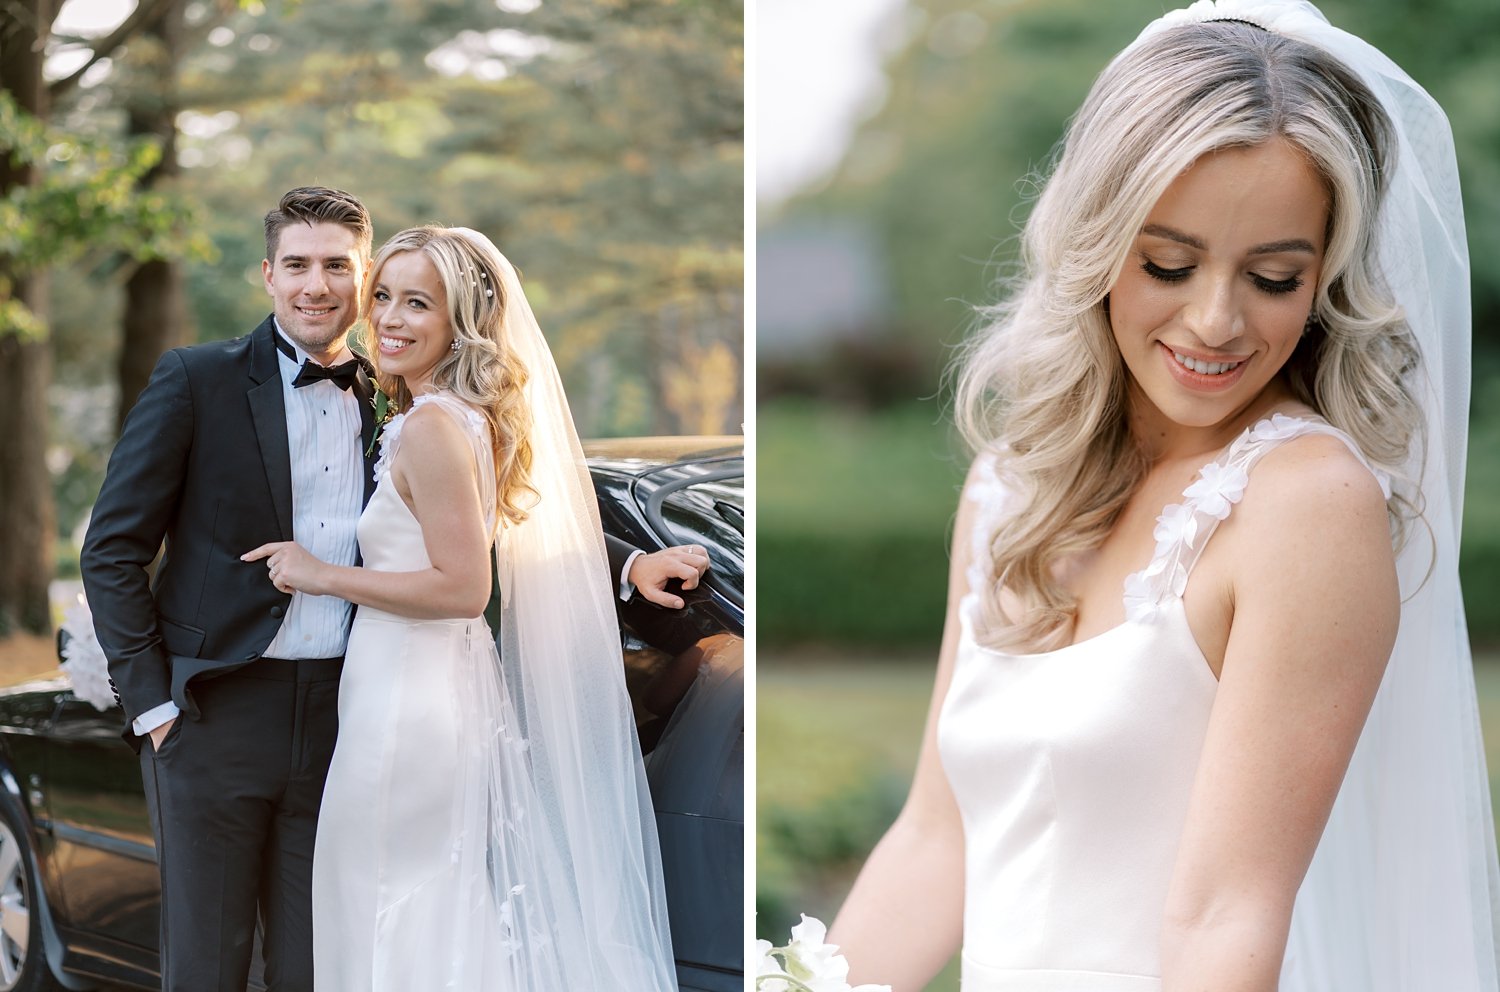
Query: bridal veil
point(570, 875)
point(1403, 892)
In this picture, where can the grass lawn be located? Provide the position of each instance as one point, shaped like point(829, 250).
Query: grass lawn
point(837, 739)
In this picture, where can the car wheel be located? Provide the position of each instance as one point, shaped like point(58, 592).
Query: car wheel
point(23, 964)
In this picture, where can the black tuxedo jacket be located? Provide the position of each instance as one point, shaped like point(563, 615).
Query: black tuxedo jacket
point(202, 463)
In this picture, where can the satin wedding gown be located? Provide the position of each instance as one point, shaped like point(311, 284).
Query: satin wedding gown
point(1073, 768)
point(405, 893)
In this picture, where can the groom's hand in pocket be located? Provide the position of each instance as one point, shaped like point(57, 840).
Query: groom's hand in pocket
point(159, 734)
point(651, 573)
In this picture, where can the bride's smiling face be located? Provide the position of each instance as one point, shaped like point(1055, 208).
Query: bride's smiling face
point(410, 317)
point(1220, 282)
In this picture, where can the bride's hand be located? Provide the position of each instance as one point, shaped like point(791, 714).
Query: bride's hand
point(291, 567)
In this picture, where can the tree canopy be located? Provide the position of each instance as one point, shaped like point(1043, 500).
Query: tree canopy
point(979, 94)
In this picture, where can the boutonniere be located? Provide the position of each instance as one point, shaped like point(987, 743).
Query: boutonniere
point(383, 413)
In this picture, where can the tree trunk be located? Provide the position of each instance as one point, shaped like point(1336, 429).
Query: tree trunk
point(156, 312)
point(27, 517)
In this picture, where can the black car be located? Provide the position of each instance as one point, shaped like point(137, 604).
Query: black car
point(79, 890)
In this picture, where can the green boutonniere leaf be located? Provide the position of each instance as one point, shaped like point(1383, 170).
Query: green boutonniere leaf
point(382, 404)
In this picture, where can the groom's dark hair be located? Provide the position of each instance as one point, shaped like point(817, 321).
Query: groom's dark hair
point(319, 205)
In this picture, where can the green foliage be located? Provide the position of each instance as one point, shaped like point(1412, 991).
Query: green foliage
point(17, 318)
point(854, 517)
point(836, 588)
point(831, 838)
point(855, 514)
point(84, 200)
point(1479, 557)
point(837, 741)
point(943, 174)
point(598, 143)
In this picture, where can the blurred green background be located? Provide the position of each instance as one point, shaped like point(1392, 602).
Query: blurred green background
point(599, 143)
point(858, 470)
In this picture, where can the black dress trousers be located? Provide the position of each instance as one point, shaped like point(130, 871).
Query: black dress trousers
point(233, 797)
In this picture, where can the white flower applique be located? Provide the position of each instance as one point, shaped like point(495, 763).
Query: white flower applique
point(1178, 524)
point(990, 497)
point(388, 438)
point(391, 434)
point(1277, 427)
point(1140, 597)
point(1218, 488)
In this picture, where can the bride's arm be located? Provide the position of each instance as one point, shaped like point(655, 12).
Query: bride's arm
point(435, 464)
point(1315, 608)
point(903, 919)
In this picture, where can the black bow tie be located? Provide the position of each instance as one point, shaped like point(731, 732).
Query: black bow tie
point(342, 376)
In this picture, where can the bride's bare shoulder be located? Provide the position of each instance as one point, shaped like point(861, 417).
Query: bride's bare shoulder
point(1317, 476)
point(1314, 521)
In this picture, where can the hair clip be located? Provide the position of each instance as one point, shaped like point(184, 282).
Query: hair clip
point(488, 292)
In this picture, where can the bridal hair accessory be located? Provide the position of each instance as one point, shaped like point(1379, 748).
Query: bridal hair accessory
point(485, 277)
point(1402, 891)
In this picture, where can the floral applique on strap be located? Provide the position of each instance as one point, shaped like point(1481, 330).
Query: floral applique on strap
point(991, 499)
point(1183, 529)
point(390, 437)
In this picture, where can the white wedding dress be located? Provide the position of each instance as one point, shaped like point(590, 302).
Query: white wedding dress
point(406, 894)
point(1073, 768)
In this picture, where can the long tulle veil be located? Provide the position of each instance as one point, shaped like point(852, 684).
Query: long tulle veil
point(1403, 891)
point(572, 864)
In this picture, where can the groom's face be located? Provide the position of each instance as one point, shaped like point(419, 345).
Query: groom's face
point(315, 281)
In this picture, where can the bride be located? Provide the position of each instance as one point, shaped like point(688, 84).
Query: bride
point(1233, 384)
point(485, 825)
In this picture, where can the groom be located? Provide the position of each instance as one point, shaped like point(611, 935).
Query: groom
point(232, 445)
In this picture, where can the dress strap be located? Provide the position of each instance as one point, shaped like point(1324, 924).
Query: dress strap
point(991, 498)
point(475, 428)
point(1183, 529)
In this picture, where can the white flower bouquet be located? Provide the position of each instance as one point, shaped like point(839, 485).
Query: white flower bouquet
point(83, 658)
point(806, 964)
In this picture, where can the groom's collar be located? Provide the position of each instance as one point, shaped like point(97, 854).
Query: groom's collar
point(294, 353)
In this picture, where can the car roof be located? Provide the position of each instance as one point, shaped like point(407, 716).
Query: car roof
point(644, 455)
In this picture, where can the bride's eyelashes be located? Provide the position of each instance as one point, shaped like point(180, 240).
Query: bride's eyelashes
point(1274, 287)
point(1161, 274)
point(381, 296)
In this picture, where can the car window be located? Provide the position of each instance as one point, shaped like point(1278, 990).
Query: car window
point(712, 514)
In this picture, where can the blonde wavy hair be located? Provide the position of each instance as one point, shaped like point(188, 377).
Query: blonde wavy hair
point(1057, 424)
point(483, 371)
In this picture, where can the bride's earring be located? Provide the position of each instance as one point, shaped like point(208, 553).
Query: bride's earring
point(457, 344)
